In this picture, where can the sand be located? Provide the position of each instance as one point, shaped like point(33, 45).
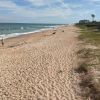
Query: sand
point(40, 66)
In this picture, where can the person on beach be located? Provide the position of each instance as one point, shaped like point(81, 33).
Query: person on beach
point(2, 41)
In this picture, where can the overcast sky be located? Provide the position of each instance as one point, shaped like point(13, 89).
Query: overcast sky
point(48, 11)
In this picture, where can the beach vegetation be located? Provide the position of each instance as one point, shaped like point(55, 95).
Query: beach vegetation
point(89, 67)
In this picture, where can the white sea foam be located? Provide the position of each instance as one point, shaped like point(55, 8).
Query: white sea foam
point(50, 26)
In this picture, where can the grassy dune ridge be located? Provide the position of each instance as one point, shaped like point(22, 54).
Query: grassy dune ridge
point(90, 34)
point(90, 62)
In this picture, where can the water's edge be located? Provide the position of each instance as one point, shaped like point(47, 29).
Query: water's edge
point(19, 34)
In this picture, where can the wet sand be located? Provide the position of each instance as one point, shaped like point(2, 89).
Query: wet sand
point(40, 66)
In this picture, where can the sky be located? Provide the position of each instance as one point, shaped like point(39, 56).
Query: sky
point(48, 11)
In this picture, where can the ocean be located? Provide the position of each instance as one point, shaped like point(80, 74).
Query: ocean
point(14, 29)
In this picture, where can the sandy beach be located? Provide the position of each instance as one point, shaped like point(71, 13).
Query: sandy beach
point(40, 66)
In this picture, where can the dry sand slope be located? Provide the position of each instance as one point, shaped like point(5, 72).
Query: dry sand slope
point(42, 70)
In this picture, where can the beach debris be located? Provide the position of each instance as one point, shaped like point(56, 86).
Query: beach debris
point(60, 71)
point(54, 33)
point(63, 31)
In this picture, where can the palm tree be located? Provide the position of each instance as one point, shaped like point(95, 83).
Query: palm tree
point(93, 16)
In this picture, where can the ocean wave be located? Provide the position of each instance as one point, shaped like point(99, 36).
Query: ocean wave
point(19, 34)
point(4, 36)
point(50, 26)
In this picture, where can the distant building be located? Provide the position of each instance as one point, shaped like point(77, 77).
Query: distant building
point(83, 21)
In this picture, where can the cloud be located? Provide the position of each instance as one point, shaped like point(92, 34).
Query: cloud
point(7, 4)
point(37, 10)
point(10, 12)
point(44, 2)
point(53, 8)
point(61, 11)
point(94, 1)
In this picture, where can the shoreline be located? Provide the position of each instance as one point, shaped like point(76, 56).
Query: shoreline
point(12, 35)
point(29, 37)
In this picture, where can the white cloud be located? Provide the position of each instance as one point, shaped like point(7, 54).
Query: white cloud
point(94, 1)
point(44, 2)
point(16, 10)
point(7, 4)
point(63, 11)
point(57, 12)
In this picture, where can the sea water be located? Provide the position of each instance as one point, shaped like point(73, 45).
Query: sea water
point(15, 29)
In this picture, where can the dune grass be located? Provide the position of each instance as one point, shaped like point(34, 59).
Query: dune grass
point(91, 35)
point(90, 83)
